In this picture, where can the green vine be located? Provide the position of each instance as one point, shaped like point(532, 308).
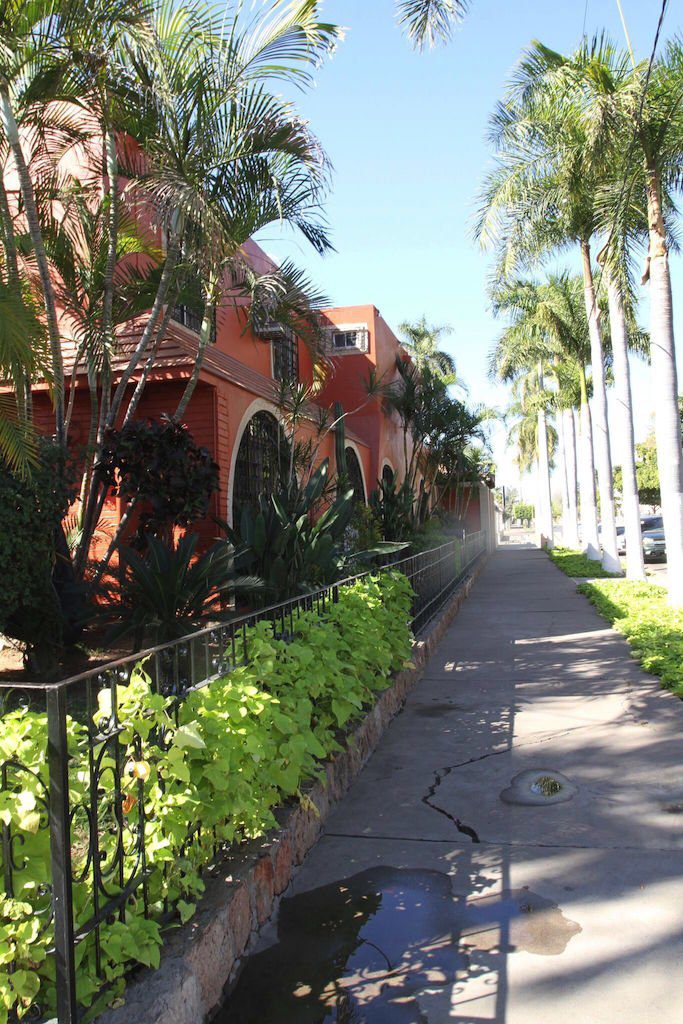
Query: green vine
point(201, 776)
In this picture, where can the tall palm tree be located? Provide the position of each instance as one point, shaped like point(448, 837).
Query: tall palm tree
point(647, 148)
point(540, 199)
point(536, 442)
point(564, 316)
point(621, 372)
point(597, 77)
point(567, 398)
point(550, 322)
point(422, 343)
point(521, 354)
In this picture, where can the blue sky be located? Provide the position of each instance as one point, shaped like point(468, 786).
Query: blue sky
point(406, 135)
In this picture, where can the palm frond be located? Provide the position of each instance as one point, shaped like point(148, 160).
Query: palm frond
point(428, 22)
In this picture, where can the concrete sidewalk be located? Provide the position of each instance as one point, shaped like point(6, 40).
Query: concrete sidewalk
point(430, 898)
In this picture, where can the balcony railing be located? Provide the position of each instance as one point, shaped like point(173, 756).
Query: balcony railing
point(94, 833)
point(192, 319)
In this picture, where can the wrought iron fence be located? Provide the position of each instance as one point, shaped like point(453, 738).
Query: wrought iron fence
point(90, 831)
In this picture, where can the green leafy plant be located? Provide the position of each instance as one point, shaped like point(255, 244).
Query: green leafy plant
point(30, 513)
point(524, 511)
point(166, 591)
point(158, 464)
point(292, 548)
point(653, 628)
point(392, 507)
point(575, 563)
point(230, 753)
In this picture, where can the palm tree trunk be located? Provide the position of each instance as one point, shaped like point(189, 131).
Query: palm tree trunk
point(544, 518)
point(204, 339)
point(665, 387)
point(112, 171)
point(155, 314)
point(149, 365)
point(22, 385)
point(96, 494)
point(564, 475)
point(610, 556)
point(8, 239)
point(33, 223)
point(635, 566)
point(589, 509)
point(572, 538)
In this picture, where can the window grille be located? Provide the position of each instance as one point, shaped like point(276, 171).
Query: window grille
point(286, 358)
point(262, 461)
point(192, 319)
point(348, 338)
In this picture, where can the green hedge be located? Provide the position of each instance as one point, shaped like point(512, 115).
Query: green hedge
point(575, 563)
point(239, 747)
point(653, 629)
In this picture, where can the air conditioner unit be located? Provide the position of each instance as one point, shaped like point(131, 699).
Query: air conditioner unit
point(269, 329)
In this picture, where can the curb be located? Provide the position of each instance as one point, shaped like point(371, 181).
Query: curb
point(203, 957)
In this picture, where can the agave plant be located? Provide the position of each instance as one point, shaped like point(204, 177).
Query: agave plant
point(392, 507)
point(166, 592)
point(292, 549)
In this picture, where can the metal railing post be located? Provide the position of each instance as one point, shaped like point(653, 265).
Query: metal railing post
point(60, 856)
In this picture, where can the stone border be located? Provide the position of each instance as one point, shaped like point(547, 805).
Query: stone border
point(201, 958)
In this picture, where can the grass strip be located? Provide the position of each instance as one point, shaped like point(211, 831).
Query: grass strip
point(575, 563)
point(653, 629)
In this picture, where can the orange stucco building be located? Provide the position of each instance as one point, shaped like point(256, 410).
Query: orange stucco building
point(234, 412)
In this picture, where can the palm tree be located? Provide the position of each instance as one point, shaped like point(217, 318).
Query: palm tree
point(521, 355)
point(549, 322)
point(536, 442)
point(540, 199)
point(564, 316)
point(422, 343)
point(223, 157)
point(567, 398)
point(621, 371)
point(26, 36)
point(596, 77)
point(647, 149)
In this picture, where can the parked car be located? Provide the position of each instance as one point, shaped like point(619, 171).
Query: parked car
point(621, 540)
point(654, 545)
point(651, 523)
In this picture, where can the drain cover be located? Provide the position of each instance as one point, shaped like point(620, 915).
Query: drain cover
point(537, 787)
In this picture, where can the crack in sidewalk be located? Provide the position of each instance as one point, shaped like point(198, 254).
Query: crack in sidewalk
point(439, 775)
point(442, 773)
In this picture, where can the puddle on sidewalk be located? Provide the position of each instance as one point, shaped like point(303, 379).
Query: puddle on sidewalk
point(386, 946)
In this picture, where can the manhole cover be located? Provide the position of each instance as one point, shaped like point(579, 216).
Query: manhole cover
point(537, 787)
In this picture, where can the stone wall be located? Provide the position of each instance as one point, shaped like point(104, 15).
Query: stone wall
point(199, 959)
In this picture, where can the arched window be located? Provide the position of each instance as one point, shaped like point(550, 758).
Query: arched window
point(355, 475)
point(387, 476)
point(262, 461)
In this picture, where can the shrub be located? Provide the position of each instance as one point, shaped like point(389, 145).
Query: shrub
point(524, 511)
point(392, 507)
point(30, 513)
point(653, 629)
point(167, 592)
point(285, 543)
point(221, 759)
point(160, 465)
